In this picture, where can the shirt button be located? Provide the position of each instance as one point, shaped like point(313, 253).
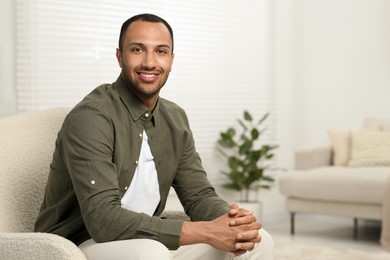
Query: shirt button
point(126, 188)
point(140, 135)
point(136, 162)
point(92, 182)
point(146, 114)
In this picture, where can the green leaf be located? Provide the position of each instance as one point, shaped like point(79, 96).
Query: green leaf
point(255, 155)
point(255, 134)
point(231, 131)
point(267, 178)
point(233, 162)
point(222, 152)
point(252, 177)
point(263, 118)
point(247, 116)
point(242, 125)
point(245, 147)
point(232, 186)
point(226, 143)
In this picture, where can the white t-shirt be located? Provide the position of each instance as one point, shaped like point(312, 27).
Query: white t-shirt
point(143, 195)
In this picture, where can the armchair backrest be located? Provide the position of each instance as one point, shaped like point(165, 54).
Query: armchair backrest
point(26, 147)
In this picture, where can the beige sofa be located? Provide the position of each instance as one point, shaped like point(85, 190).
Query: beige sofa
point(27, 143)
point(357, 189)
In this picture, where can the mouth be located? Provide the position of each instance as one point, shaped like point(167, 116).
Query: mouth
point(148, 77)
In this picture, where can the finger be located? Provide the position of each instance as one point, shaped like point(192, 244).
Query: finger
point(236, 211)
point(247, 219)
point(249, 236)
point(234, 208)
point(244, 212)
point(247, 246)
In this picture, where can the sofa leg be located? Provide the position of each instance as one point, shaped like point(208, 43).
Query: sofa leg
point(355, 228)
point(292, 218)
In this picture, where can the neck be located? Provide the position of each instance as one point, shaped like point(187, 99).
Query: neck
point(149, 103)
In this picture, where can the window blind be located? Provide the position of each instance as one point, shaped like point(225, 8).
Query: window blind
point(224, 58)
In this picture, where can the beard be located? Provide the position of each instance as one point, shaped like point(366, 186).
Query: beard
point(139, 89)
point(145, 90)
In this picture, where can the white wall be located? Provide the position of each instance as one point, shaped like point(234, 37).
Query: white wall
point(341, 65)
point(7, 58)
point(333, 68)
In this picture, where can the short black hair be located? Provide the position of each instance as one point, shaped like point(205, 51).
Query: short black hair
point(146, 18)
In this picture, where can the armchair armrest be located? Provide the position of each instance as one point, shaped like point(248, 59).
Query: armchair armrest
point(313, 157)
point(32, 246)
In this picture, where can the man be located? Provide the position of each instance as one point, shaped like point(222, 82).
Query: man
point(118, 153)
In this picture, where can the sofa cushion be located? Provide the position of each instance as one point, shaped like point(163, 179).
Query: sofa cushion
point(340, 140)
point(370, 148)
point(346, 184)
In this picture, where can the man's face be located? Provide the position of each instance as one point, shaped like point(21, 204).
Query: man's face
point(146, 57)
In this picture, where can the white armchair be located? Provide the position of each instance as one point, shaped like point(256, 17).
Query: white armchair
point(26, 147)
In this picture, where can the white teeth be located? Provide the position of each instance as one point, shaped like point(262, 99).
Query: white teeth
point(147, 75)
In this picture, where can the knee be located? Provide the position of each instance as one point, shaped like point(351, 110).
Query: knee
point(133, 249)
point(153, 250)
point(266, 239)
point(266, 246)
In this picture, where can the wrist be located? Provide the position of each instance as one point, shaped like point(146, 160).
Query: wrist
point(193, 233)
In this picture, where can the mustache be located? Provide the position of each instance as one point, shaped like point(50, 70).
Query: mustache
point(148, 68)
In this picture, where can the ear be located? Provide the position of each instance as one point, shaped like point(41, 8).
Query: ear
point(172, 58)
point(119, 57)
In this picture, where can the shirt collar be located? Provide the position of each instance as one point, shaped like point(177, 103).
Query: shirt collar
point(135, 107)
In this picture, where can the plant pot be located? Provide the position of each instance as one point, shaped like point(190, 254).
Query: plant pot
point(255, 206)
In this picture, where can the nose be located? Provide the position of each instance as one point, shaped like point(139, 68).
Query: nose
point(149, 60)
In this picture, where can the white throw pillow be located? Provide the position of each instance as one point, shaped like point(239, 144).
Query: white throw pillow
point(370, 148)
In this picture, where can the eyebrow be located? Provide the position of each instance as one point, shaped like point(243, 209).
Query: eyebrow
point(143, 45)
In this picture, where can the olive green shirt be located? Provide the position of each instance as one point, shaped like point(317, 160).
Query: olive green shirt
point(94, 162)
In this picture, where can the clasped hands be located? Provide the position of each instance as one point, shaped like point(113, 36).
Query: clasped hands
point(246, 240)
point(239, 231)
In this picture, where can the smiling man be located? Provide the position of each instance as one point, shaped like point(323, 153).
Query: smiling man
point(145, 55)
point(118, 153)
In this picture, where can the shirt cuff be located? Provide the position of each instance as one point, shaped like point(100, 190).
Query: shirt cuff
point(170, 233)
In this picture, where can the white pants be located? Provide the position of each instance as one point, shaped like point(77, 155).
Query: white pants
point(147, 249)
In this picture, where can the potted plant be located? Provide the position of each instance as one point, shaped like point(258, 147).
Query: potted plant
point(247, 158)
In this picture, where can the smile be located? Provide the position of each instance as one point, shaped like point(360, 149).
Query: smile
point(147, 77)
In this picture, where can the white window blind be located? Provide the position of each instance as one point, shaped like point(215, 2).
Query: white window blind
point(224, 59)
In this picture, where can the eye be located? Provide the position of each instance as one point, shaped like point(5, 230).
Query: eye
point(136, 50)
point(162, 51)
